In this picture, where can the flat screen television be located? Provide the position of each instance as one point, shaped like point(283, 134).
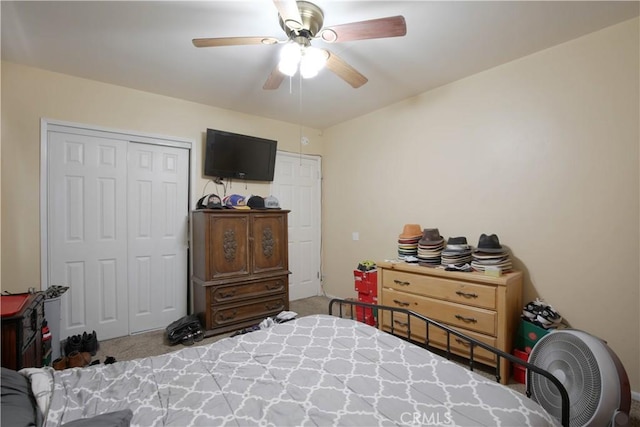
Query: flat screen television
point(231, 155)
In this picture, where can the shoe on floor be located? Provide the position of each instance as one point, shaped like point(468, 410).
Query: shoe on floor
point(79, 359)
point(90, 343)
point(73, 343)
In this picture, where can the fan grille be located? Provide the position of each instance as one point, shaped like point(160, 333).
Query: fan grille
point(570, 359)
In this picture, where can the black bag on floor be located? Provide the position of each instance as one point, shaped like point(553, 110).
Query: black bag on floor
point(185, 330)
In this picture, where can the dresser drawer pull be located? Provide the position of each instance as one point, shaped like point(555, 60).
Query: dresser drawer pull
point(274, 286)
point(462, 342)
point(401, 283)
point(466, 319)
point(467, 294)
point(229, 316)
point(273, 306)
point(401, 303)
point(399, 323)
point(227, 294)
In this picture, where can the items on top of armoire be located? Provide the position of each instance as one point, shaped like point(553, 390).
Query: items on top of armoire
point(237, 201)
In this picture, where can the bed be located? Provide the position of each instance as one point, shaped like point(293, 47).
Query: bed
point(315, 370)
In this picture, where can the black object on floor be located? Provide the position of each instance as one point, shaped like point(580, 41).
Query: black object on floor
point(90, 343)
point(73, 343)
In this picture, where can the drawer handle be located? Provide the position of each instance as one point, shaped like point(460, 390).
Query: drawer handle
point(229, 316)
point(273, 306)
point(401, 303)
point(462, 342)
point(227, 294)
point(466, 319)
point(467, 294)
point(401, 283)
point(273, 286)
point(399, 323)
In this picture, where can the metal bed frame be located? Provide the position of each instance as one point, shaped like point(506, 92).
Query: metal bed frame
point(414, 317)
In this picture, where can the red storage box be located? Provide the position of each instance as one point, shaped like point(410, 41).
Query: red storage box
point(10, 305)
point(366, 282)
point(365, 315)
point(520, 372)
point(371, 299)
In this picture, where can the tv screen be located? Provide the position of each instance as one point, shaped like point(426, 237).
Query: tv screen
point(231, 155)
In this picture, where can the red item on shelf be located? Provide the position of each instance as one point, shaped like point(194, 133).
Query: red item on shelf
point(10, 305)
point(366, 282)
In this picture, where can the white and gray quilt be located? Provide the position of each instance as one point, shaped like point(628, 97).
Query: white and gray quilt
point(316, 370)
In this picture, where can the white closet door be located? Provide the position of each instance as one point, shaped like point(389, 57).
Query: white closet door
point(296, 184)
point(87, 243)
point(158, 235)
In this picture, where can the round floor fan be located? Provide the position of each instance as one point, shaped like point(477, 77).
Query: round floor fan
point(597, 384)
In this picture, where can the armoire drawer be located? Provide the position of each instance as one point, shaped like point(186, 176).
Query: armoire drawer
point(463, 316)
point(449, 290)
point(231, 293)
point(227, 314)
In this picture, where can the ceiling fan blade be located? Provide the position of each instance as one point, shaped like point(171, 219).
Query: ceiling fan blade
point(233, 41)
point(289, 12)
point(345, 71)
point(274, 80)
point(392, 26)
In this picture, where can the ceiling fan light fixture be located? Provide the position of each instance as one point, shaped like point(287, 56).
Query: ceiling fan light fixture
point(290, 58)
point(313, 60)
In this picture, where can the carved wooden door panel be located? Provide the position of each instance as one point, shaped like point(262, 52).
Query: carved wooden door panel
point(269, 243)
point(228, 249)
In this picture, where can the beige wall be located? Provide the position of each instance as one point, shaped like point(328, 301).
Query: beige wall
point(542, 151)
point(29, 94)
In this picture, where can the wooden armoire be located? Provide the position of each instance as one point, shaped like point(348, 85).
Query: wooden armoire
point(240, 267)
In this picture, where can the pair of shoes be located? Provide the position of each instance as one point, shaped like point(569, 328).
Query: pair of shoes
point(75, 359)
point(73, 343)
point(90, 343)
point(109, 360)
point(541, 314)
point(83, 343)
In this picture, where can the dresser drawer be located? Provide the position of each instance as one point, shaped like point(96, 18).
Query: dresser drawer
point(231, 293)
point(463, 316)
point(445, 289)
point(228, 314)
point(438, 337)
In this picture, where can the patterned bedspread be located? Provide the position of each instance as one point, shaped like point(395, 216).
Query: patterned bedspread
point(316, 370)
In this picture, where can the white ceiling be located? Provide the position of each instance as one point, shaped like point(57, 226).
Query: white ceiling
point(147, 46)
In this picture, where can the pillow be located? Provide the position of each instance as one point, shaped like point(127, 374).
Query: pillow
point(110, 419)
point(19, 407)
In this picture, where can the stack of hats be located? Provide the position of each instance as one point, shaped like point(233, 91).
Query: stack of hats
point(457, 252)
point(408, 241)
point(430, 247)
point(490, 253)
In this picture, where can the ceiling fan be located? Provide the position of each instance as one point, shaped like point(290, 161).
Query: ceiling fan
point(303, 21)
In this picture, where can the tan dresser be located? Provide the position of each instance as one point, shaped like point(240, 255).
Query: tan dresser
point(483, 307)
point(240, 267)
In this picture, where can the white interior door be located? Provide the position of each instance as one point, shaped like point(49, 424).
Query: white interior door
point(115, 229)
point(158, 235)
point(87, 226)
point(296, 184)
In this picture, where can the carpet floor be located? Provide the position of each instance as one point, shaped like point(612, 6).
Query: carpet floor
point(154, 343)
